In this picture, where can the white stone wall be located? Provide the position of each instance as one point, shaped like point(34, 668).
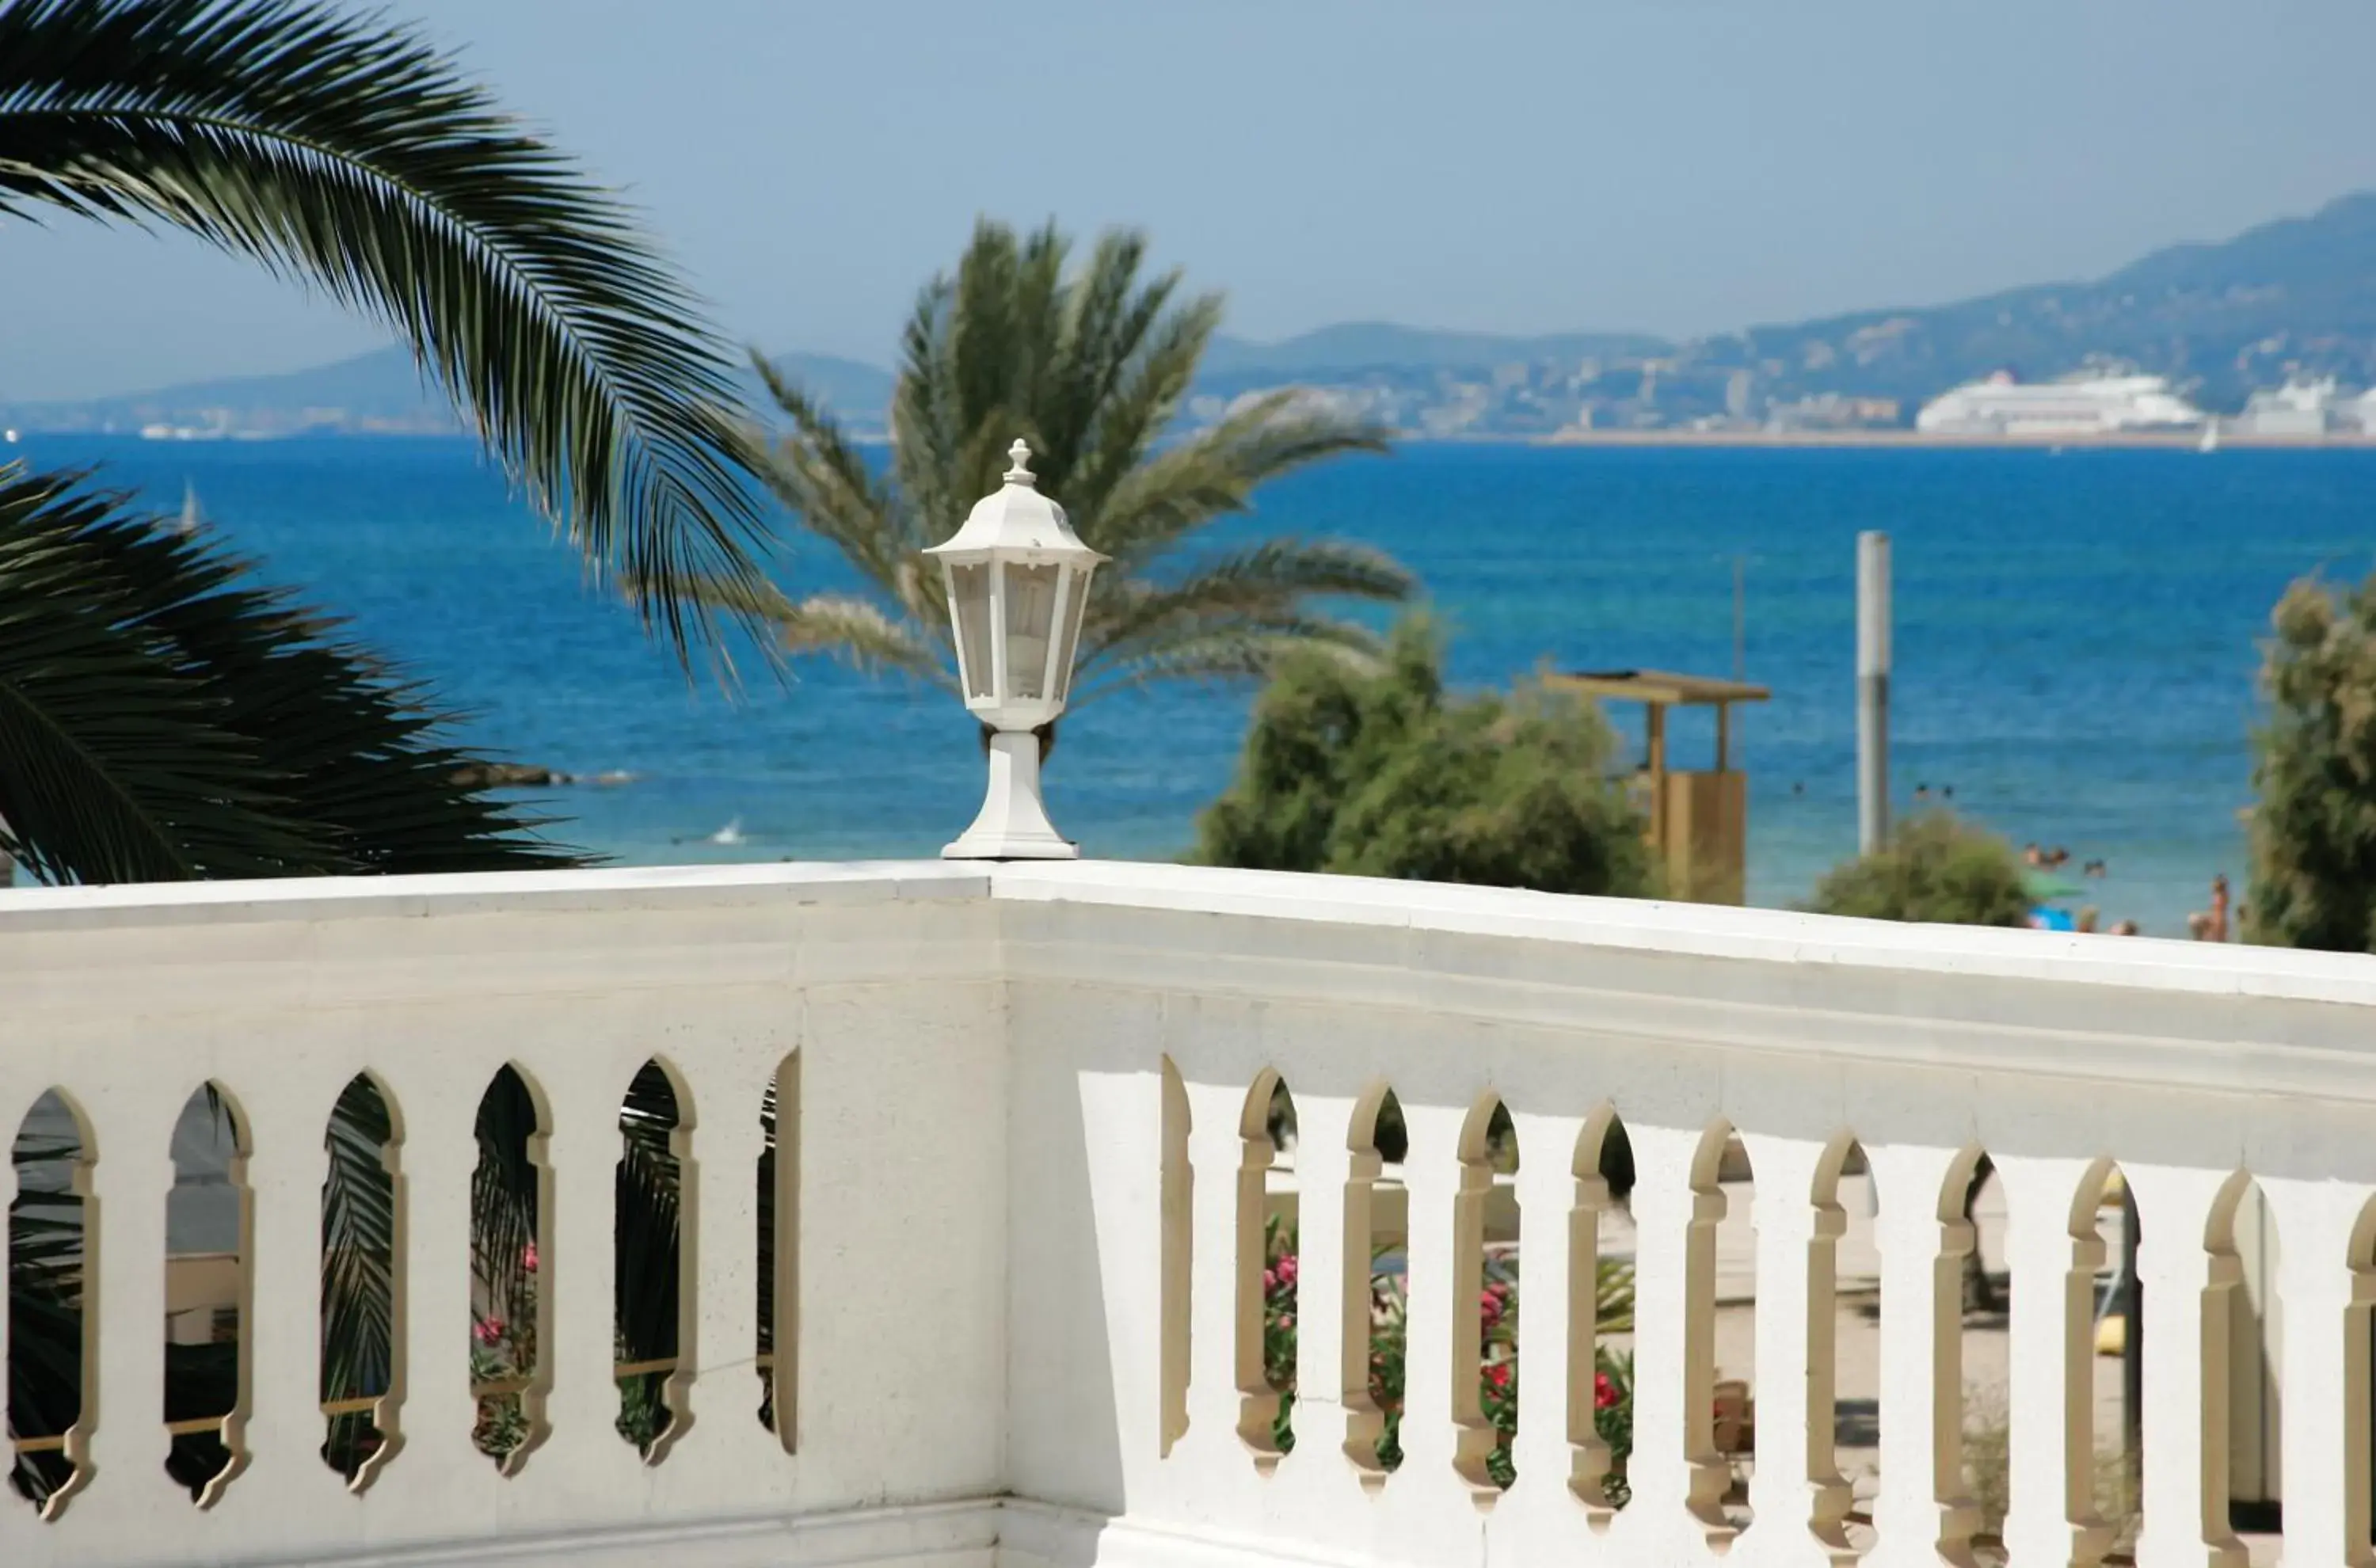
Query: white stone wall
point(1026, 1167)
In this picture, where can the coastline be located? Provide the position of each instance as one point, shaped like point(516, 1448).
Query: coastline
point(2178, 440)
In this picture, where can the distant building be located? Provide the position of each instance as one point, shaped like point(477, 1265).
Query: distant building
point(2298, 409)
point(2090, 404)
point(1831, 410)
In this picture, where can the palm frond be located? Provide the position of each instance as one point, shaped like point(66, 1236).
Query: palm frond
point(1216, 472)
point(358, 1247)
point(1226, 651)
point(821, 477)
point(1265, 582)
point(1092, 368)
point(161, 720)
point(347, 153)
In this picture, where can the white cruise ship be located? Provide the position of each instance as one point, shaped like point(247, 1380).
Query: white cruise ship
point(2079, 406)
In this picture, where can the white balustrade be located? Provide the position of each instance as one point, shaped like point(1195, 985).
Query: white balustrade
point(1026, 1170)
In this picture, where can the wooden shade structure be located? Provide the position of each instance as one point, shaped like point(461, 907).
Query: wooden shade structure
point(1699, 822)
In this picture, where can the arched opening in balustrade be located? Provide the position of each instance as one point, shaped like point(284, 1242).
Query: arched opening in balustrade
point(1844, 1295)
point(1972, 1211)
point(1721, 1296)
point(778, 1266)
point(2106, 1226)
point(653, 1260)
point(361, 1345)
point(1601, 1316)
point(1485, 1240)
point(1177, 1219)
point(1267, 1270)
point(511, 1205)
point(209, 1296)
point(52, 1344)
point(1376, 1322)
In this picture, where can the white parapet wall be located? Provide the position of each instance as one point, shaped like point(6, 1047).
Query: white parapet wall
point(1031, 1180)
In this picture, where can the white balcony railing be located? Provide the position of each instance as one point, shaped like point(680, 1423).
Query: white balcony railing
point(1021, 1311)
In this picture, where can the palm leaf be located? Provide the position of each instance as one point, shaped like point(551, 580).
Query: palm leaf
point(358, 1247)
point(1091, 368)
point(162, 718)
point(348, 154)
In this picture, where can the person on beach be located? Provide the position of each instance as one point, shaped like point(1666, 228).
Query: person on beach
point(2088, 918)
point(2124, 927)
point(2218, 907)
point(2198, 927)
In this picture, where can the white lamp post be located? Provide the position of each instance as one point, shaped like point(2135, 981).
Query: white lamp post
point(1018, 581)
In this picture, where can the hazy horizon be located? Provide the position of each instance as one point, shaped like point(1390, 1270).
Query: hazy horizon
point(1680, 169)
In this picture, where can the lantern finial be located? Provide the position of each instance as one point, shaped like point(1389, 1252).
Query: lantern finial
point(1021, 472)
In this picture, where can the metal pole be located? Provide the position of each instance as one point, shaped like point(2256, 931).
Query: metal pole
point(1873, 691)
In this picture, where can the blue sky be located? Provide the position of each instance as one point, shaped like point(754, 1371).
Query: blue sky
point(1517, 165)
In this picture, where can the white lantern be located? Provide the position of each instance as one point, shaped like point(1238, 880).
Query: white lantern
point(1018, 581)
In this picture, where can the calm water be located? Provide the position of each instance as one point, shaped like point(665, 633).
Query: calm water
point(2075, 639)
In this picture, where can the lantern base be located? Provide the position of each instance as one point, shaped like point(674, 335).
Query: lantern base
point(1014, 824)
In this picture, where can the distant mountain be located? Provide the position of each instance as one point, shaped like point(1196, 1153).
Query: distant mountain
point(2296, 296)
point(382, 393)
point(1367, 345)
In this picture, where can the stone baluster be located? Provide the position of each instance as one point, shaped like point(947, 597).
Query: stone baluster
point(280, 1318)
point(1216, 1156)
point(719, 1335)
point(124, 1230)
point(1921, 1516)
point(1558, 1456)
point(439, 1465)
point(2324, 1286)
point(1797, 1496)
point(1678, 1479)
point(575, 1286)
point(1332, 1293)
point(2188, 1285)
point(1442, 1343)
point(2051, 1245)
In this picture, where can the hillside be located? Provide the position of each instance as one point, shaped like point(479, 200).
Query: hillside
point(381, 393)
point(2298, 295)
point(2294, 295)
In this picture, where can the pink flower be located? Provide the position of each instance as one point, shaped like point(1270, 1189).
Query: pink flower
point(1497, 1374)
point(527, 1257)
point(1489, 1306)
point(1287, 1320)
point(488, 1331)
point(1285, 1269)
point(1604, 1391)
point(1270, 1279)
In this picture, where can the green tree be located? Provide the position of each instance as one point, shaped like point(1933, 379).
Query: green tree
point(1383, 773)
point(159, 717)
point(2313, 828)
point(1092, 368)
point(1936, 867)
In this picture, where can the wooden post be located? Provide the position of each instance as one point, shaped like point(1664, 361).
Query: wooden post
point(1723, 736)
point(1658, 776)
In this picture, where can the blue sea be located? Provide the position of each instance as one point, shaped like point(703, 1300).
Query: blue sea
point(2075, 639)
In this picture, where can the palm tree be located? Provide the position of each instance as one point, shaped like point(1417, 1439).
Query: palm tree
point(1092, 370)
point(162, 718)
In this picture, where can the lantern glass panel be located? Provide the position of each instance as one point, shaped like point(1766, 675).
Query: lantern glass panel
point(1030, 622)
point(969, 602)
point(1068, 636)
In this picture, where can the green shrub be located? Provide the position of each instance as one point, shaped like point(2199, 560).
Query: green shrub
point(1382, 773)
point(1935, 868)
point(2313, 877)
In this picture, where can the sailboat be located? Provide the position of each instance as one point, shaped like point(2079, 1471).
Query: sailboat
point(191, 517)
point(2210, 442)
